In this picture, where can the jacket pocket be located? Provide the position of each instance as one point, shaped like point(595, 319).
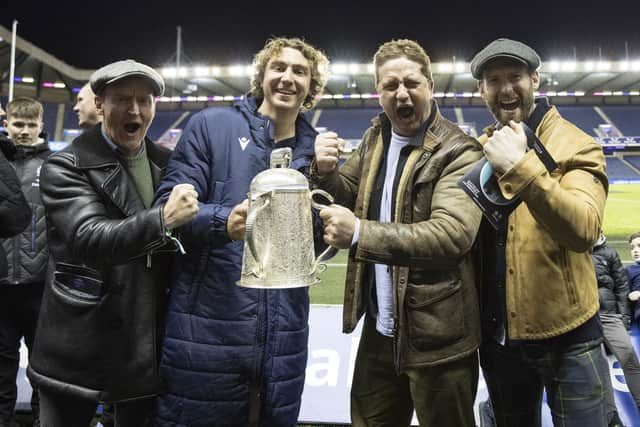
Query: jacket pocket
point(434, 314)
point(77, 286)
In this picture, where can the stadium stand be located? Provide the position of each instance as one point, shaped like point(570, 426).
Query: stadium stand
point(625, 117)
point(479, 117)
point(585, 117)
point(162, 122)
point(349, 123)
point(617, 170)
point(634, 159)
point(449, 113)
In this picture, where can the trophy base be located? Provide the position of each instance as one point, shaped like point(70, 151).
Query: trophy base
point(252, 282)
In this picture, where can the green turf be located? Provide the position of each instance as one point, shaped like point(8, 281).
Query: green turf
point(622, 217)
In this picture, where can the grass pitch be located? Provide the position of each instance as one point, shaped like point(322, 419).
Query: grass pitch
point(621, 218)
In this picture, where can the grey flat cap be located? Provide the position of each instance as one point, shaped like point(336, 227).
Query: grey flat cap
point(504, 48)
point(122, 69)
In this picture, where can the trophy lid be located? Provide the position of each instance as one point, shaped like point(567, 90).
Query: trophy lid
point(280, 176)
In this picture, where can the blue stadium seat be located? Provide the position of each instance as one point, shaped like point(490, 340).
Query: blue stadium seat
point(618, 170)
point(625, 117)
point(479, 117)
point(349, 123)
point(633, 159)
point(585, 117)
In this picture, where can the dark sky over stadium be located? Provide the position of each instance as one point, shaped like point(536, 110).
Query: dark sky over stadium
point(89, 34)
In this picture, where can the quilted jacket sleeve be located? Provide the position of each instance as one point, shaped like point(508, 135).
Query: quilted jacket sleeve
point(78, 213)
point(15, 212)
point(191, 164)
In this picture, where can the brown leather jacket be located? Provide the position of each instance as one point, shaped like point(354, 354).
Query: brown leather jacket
point(435, 300)
point(551, 284)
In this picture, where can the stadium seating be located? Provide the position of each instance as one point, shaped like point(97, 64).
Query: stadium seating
point(349, 123)
point(625, 117)
point(479, 117)
point(634, 160)
point(617, 170)
point(585, 117)
point(162, 121)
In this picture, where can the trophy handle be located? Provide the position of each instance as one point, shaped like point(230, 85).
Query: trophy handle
point(330, 252)
point(251, 242)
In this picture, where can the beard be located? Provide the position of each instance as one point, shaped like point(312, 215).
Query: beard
point(520, 114)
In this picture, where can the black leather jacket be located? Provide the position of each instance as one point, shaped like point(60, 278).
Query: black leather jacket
point(613, 286)
point(99, 325)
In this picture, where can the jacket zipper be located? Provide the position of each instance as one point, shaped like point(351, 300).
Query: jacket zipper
point(33, 231)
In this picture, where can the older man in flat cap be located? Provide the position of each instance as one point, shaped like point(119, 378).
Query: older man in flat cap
point(99, 331)
point(539, 291)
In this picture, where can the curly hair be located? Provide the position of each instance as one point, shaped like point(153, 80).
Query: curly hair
point(26, 108)
point(318, 61)
point(402, 48)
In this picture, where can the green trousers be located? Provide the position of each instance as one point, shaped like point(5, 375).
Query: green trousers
point(442, 395)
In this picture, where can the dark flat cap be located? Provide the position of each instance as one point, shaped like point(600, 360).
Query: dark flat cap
point(504, 48)
point(122, 69)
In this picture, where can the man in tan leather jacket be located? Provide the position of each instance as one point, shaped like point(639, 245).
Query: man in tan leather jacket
point(539, 291)
point(410, 229)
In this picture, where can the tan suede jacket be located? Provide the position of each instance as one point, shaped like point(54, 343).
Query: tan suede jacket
point(551, 284)
point(436, 305)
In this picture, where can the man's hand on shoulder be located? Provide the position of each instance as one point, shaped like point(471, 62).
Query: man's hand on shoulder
point(506, 147)
point(181, 207)
point(327, 151)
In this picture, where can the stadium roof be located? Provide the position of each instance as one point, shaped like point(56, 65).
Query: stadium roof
point(592, 81)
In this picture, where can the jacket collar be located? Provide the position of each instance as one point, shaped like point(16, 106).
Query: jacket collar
point(92, 151)
point(259, 124)
point(429, 130)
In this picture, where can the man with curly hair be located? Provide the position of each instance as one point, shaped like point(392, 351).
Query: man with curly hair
point(234, 356)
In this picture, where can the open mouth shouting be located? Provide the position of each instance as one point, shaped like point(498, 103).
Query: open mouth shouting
point(405, 112)
point(132, 128)
point(510, 105)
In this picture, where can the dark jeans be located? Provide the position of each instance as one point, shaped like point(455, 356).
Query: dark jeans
point(60, 410)
point(442, 395)
point(573, 376)
point(19, 307)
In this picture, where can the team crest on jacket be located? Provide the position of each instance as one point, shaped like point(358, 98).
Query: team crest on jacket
point(243, 140)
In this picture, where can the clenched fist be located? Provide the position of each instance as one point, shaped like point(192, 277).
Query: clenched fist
point(181, 207)
point(237, 221)
point(327, 150)
point(506, 147)
point(339, 226)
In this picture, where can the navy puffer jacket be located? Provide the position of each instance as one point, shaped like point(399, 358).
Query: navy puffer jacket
point(230, 354)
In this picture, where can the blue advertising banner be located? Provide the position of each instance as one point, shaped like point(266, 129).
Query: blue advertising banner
point(330, 368)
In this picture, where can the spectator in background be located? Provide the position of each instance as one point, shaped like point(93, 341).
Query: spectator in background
point(616, 319)
point(102, 310)
point(15, 216)
point(410, 229)
point(633, 274)
point(235, 356)
point(26, 253)
point(539, 291)
point(85, 108)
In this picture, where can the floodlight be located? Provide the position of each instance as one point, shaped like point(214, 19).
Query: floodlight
point(28, 80)
point(568, 66)
point(168, 72)
point(354, 68)
point(339, 68)
point(201, 71)
point(236, 70)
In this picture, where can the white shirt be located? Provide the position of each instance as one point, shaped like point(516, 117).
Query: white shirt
point(384, 279)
